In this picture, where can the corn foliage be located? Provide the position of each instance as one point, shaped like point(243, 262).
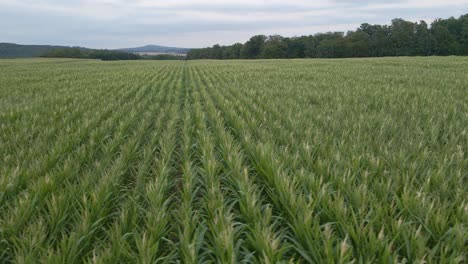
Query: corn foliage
point(278, 161)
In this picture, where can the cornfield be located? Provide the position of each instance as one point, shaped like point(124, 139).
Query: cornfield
point(273, 161)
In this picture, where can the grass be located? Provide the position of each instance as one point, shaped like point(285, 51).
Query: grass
point(265, 161)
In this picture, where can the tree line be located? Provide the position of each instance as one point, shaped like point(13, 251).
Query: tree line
point(81, 53)
point(106, 55)
point(400, 38)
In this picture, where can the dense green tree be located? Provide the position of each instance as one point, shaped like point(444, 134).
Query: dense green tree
point(464, 38)
point(401, 38)
point(423, 40)
point(79, 53)
point(310, 46)
point(296, 47)
point(444, 41)
point(275, 47)
point(217, 52)
point(357, 44)
point(379, 40)
point(232, 52)
point(252, 49)
point(331, 45)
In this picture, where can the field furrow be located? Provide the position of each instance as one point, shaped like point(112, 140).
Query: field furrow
point(223, 233)
point(63, 148)
point(143, 216)
point(260, 230)
point(190, 227)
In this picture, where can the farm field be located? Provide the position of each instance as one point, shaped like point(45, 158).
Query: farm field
point(265, 161)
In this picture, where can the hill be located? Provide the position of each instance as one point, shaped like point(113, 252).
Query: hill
point(156, 49)
point(11, 50)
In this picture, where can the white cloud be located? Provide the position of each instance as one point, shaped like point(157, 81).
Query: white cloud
point(194, 23)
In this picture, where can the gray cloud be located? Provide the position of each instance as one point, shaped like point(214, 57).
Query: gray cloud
point(121, 23)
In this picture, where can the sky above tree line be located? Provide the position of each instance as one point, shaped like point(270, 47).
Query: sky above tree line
point(198, 23)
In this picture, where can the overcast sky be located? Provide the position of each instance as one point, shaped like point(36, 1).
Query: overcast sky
point(198, 23)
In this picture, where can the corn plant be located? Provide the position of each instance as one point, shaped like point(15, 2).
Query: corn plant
point(278, 161)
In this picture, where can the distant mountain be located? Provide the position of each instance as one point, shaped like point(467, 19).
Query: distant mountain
point(11, 50)
point(156, 49)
